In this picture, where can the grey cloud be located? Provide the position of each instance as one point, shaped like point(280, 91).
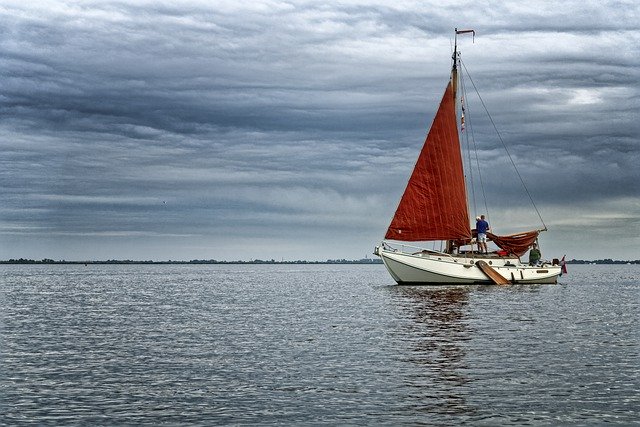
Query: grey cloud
point(292, 123)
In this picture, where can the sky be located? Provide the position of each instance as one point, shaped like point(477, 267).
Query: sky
point(287, 130)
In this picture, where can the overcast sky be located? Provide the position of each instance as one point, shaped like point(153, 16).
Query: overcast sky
point(288, 129)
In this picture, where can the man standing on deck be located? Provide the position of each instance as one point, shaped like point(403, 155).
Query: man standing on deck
point(482, 227)
point(534, 255)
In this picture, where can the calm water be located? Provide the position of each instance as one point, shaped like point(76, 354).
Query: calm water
point(314, 345)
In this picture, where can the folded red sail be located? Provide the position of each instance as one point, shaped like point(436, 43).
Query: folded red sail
point(516, 244)
point(434, 206)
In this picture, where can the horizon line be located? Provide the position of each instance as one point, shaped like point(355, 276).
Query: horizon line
point(259, 261)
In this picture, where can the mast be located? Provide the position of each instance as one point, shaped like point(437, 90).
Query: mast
point(454, 67)
point(454, 86)
point(455, 47)
point(454, 57)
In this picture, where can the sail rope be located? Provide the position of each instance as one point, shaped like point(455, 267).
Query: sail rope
point(475, 150)
point(504, 145)
point(464, 127)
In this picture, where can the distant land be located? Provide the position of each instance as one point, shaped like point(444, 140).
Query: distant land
point(260, 261)
point(193, 261)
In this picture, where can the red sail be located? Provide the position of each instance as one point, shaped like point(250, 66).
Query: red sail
point(434, 204)
point(517, 244)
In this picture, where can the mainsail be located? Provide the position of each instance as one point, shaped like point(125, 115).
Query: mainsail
point(434, 204)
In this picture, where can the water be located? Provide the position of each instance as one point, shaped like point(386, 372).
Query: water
point(321, 344)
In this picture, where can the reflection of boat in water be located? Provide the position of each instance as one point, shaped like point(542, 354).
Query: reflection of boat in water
point(434, 208)
point(440, 309)
point(436, 336)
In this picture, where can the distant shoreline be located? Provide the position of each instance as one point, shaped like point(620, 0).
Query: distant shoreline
point(195, 261)
point(259, 261)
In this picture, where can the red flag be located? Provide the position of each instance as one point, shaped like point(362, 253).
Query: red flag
point(563, 264)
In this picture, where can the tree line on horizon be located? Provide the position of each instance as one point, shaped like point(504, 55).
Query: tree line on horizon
point(194, 261)
point(260, 261)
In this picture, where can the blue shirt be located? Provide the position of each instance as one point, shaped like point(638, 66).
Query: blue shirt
point(482, 226)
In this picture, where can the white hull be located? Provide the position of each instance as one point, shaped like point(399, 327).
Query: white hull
point(439, 268)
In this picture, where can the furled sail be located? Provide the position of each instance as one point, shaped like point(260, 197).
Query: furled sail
point(516, 244)
point(434, 205)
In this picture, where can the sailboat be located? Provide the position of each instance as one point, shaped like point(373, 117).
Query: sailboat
point(434, 208)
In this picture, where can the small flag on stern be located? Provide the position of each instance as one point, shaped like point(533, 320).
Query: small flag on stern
point(563, 265)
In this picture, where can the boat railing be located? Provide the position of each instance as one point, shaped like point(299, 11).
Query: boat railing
point(419, 249)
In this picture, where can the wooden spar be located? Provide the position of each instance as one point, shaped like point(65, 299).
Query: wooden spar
point(492, 274)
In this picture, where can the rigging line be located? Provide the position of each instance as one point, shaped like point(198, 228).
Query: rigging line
point(477, 158)
point(505, 146)
point(467, 124)
point(484, 194)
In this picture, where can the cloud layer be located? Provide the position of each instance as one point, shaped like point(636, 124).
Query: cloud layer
point(288, 129)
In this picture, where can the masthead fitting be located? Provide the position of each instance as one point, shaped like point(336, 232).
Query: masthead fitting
point(455, 43)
